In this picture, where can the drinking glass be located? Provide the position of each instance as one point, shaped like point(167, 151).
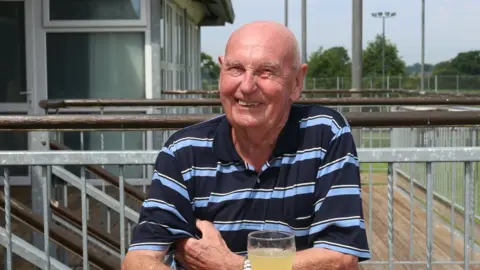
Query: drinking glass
point(271, 250)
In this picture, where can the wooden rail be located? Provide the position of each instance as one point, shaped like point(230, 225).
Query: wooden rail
point(61, 236)
point(104, 174)
point(313, 91)
point(166, 122)
point(71, 217)
point(344, 101)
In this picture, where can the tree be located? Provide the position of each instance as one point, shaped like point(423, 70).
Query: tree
point(416, 69)
point(333, 62)
point(467, 63)
point(210, 69)
point(372, 59)
point(444, 68)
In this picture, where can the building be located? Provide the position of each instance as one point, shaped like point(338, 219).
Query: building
point(56, 49)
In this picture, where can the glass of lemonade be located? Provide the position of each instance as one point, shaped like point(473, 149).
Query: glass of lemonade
point(271, 250)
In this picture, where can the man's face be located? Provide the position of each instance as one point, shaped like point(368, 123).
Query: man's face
point(257, 80)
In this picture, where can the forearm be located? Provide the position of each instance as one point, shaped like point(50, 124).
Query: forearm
point(143, 262)
point(323, 259)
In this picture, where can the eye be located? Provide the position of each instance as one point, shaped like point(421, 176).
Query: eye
point(266, 73)
point(235, 70)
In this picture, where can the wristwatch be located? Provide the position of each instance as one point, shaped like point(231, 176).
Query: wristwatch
point(246, 264)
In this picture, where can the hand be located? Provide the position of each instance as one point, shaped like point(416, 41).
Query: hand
point(210, 252)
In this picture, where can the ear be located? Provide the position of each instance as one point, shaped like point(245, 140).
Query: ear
point(299, 78)
point(220, 60)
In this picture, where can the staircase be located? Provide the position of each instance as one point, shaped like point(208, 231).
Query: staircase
point(65, 229)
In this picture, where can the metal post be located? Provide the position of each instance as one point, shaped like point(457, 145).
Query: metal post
point(357, 21)
point(304, 38)
point(357, 66)
point(422, 70)
point(383, 16)
point(286, 13)
point(383, 53)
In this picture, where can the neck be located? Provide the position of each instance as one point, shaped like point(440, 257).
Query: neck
point(255, 145)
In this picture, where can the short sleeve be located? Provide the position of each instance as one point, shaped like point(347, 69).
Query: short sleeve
point(166, 215)
point(338, 222)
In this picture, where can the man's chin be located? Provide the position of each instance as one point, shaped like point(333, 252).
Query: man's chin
point(247, 122)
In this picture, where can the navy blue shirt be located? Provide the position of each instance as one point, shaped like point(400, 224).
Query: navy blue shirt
point(309, 186)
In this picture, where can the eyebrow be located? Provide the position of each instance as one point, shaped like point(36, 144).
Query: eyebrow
point(270, 64)
point(232, 63)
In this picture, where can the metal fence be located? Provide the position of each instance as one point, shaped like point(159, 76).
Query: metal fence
point(406, 183)
point(399, 234)
point(434, 83)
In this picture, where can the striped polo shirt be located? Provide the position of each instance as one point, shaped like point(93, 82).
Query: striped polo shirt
point(309, 186)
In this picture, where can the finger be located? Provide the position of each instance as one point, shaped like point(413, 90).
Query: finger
point(185, 244)
point(206, 228)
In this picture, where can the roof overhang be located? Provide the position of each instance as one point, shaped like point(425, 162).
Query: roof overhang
point(219, 12)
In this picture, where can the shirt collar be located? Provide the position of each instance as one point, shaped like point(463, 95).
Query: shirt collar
point(287, 141)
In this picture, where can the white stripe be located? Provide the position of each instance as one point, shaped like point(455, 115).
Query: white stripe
point(340, 245)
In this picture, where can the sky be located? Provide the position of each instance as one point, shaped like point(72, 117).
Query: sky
point(451, 26)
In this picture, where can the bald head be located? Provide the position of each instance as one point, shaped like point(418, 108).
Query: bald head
point(269, 34)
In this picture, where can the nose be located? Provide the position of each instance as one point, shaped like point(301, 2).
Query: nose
point(249, 83)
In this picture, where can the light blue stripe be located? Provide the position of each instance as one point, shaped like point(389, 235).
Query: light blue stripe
point(263, 195)
point(199, 172)
point(298, 157)
point(337, 165)
point(344, 130)
point(343, 191)
point(260, 226)
point(190, 142)
point(172, 185)
point(207, 172)
point(338, 192)
point(167, 151)
point(339, 223)
point(163, 206)
point(353, 252)
point(200, 203)
point(239, 226)
point(149, 247)
point(320, 121)
point(229, 168)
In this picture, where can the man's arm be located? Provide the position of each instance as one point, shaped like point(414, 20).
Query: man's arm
point(166, 215)
point(324, 259)
point(145, 259)
point(337, 235)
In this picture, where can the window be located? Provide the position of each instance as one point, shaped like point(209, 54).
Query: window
point(96, 65)
point(94, 13)
point(95, 10)
point(12, 52)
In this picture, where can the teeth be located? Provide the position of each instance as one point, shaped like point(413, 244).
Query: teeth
point(248, 104)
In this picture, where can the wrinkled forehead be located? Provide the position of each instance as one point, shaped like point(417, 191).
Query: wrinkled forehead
point(258, 50)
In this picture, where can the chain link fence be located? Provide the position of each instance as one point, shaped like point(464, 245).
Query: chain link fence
point(434, 83)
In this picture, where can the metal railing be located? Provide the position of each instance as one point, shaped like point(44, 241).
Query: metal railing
point(386, 175)
point(433, 83)
point(51, 161)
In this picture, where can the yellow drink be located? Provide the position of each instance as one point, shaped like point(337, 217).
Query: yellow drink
point(271, 259)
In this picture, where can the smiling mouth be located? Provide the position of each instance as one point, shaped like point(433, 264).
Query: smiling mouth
point(247, 104)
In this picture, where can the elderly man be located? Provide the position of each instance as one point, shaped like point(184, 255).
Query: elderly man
point(266, 164)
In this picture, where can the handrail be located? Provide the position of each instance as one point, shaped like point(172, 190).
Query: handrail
point(312, 91)
point(58, 234)
point(67, 214)
point(415, 101)
point(165, 122)
point(104, 174)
